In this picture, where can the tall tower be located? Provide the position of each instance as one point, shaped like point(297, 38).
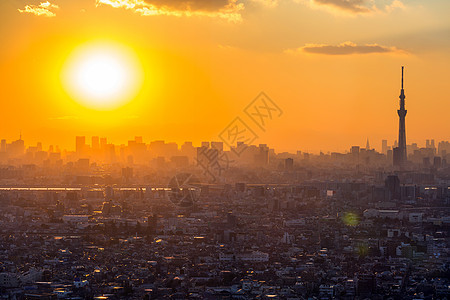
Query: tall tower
point(400, 152)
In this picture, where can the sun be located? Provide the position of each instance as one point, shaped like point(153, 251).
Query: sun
point(102, 75)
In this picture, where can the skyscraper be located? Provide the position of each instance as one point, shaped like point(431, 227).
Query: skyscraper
point(95, 143)
point(80, 145)
point(384, 146)
point(400, 151)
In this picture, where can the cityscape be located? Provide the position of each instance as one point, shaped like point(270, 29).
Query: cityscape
point(151, 221)
point(226, 149)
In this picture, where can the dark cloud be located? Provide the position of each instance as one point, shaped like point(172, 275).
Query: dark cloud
point(358, 6)
point(354, 6)
point(204, 5)
point(346, 48)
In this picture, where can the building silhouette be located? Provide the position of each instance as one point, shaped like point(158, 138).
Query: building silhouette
point(392, 186)
point(400, 151)
point(80, 145)
point(384, 146)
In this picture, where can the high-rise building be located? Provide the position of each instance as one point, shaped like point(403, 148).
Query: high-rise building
point(437, 162)
point(433, 146)
point(217, 145)
point(80, 144)
point(188, 150)
point(384, 146)
point(392, 186)
point(262, 156)
point(354, 152)
point(95, 143)
point(17, 148)
point(103, 143)
point(288, 163)
point(400, 151)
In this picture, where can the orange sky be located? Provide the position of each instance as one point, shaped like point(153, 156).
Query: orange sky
point(332, 66)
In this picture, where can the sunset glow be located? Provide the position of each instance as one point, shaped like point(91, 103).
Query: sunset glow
point(183, 70)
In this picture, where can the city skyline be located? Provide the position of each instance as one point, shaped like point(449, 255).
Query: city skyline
point(90, 144)
point(261, 113)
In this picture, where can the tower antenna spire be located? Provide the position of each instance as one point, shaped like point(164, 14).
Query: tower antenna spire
point(402, 76)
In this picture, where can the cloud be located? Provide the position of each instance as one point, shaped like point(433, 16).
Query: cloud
point(44, 9)
point(394, 5)
point(347, 48)
point(354, 7)
point(229, 10)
